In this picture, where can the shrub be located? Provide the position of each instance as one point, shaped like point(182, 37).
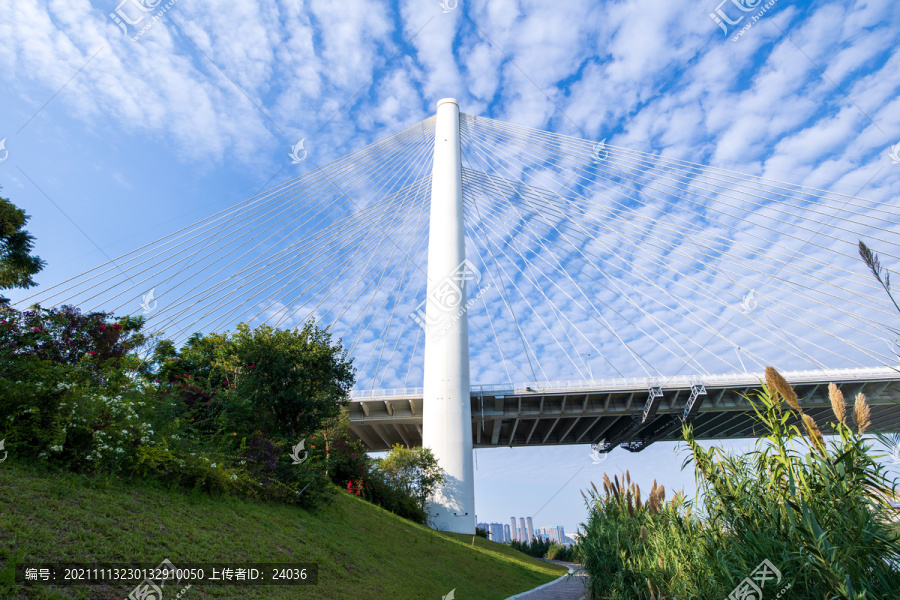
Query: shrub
point(559, 552)
point(76, 394)
point(538, 547)
point(379, 490)
point(815, 510)
point(413, 470)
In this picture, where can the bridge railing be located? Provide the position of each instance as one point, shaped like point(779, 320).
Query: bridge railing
point(632, 383)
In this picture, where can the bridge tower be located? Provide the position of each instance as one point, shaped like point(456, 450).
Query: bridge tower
point(447, 412)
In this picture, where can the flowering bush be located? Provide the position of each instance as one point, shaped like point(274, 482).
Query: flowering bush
point(65, 335)
point(76, 394)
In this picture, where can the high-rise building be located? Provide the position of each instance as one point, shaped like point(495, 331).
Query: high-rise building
point(507, 537)
point(523, 532)
point(496, 532)
point(512, 525)
point(530, 530)
point(558, 534)
point(482, 526)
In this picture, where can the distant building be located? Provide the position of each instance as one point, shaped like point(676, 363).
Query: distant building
point(558, 534)
point(506, 535)
point(496, 530)
point(523, 533)
point(513, 530)
point(530, 529)
point(484, 526)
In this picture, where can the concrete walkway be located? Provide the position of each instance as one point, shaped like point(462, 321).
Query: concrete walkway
point(564, 588)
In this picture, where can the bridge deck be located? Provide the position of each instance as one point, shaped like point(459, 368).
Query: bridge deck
point(613, 411)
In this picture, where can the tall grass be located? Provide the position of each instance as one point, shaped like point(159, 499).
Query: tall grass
point(815, 509)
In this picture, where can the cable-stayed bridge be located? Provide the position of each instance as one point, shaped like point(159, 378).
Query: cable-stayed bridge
point(463, 252)
point(618, 412)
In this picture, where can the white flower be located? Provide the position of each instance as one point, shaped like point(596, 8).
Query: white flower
point(234, 476)
point(55, 448)
point(214, 465)
point(243, 462)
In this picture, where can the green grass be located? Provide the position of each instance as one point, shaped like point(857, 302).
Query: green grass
point(362, 551)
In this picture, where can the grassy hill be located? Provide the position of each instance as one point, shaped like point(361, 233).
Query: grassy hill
point(363, 552)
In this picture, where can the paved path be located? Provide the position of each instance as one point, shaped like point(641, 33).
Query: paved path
point(567, 588)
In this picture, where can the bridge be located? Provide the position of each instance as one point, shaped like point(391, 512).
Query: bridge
point(624, 413)
point(464, 250)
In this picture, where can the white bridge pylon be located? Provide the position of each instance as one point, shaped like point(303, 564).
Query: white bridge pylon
point(447, 418)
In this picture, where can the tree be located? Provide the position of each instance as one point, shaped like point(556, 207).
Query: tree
point(413, 470)
point(295, 379)
point(17, 265)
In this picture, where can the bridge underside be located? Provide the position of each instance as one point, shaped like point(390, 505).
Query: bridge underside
point(632, 416)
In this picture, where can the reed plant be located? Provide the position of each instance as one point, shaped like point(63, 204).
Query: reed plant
point(815, 508)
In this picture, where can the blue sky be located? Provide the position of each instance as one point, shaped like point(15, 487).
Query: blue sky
point(114, 142)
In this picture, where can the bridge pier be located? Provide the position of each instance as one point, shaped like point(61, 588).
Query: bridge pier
point(447, 414)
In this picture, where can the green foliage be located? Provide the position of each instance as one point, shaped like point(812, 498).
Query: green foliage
point(482, 532)
point(378, 489)
point(413, 470)
point(257, 413)
point(17, 265)
point(629, 543)
point(295, 379)
point(538, 547)
point(563, 553)
point(77, 395)
point(816, 510)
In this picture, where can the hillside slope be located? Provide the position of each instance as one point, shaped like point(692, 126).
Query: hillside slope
point(362, 551)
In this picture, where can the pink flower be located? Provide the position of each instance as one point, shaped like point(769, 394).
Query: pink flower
point(36, 329)
point(103, 328)
point(117, 327)
point(91, 352)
